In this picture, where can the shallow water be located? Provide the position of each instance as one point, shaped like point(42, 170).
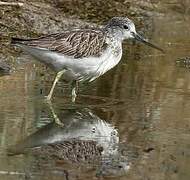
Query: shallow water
point(145, 100)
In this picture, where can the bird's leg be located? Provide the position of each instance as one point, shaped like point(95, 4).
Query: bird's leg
point(74, 90)
point(58, 76)
point(55, 117)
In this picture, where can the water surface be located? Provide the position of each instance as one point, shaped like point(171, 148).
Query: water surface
point(146, 99)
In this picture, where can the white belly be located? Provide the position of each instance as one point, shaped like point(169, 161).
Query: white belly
point(92, 67)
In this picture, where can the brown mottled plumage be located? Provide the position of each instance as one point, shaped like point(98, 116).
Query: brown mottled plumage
point(76, 43)
point(75, 151)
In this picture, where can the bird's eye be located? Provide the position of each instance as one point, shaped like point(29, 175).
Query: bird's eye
point(126, 27)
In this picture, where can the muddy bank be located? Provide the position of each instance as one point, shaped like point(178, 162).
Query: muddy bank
point(36, 17)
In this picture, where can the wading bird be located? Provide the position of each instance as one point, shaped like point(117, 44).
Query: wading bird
point(82, 54)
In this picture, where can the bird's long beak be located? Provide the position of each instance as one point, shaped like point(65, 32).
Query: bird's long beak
point(138, 37)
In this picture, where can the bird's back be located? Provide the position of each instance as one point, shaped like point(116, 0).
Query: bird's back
point(77, 43)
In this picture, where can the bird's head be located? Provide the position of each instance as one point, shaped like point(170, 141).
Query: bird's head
point(125, 29)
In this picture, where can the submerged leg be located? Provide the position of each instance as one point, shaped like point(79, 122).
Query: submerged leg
point(74, 90)
point(58, 76)
point(55, 117)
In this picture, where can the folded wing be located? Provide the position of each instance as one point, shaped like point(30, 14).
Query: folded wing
point(76, 43)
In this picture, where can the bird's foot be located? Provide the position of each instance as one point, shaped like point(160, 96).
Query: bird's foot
point(55, 117)
point(74, 95)
point(58, 122)
point(73, 99)
point(48, 98)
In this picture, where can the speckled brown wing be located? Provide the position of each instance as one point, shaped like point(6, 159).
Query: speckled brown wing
point(77, 43)
point(77, 151)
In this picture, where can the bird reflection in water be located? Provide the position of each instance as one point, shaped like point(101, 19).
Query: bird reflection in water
point(84, 140)
point(4, 69)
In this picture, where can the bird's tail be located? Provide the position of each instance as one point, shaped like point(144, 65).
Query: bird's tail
point(15, 40)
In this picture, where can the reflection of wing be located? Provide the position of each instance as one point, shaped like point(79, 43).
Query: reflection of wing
point(76, 43)
point(74, 151)
point(4, 68)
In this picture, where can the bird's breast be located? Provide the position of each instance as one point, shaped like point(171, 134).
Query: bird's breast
point(109, 60)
